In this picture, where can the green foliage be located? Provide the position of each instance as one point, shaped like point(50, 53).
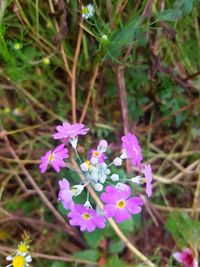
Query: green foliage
point(89, 254)
point(184, 230)
point(93, 239)
point(115, 261)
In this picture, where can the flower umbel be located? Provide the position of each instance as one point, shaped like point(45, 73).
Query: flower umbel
point(54, 158)
point(97, 173)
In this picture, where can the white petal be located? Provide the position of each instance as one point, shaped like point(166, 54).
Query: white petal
point(9, 258)
point(136, 180)
point(28, 258)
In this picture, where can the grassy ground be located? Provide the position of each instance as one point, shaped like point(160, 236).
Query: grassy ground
point(134, 66)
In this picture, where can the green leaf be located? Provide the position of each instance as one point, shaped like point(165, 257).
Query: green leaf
point(61, 209)
point(116, 247)
point(115, 261)
point(187, 7)
point(169, 14)
point(183, 229)
point(93, 238)
point(89, 254)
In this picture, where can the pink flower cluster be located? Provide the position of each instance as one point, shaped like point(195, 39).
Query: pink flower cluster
point(117, 199)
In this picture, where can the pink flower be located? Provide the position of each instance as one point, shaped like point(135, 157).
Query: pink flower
point(132, 148)
point(186, 258)
point(65, 195)
point(86, 218)
point(67, 130)
point(55, 158)
point(118, 205)
point(148, 177)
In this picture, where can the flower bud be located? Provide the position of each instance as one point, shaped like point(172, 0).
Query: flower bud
point(117, 161)
point(114, 177)
point(98, 187)
point(74, 141)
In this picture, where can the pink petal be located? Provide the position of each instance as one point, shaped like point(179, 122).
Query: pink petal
point(43, 166)
point(64, 184)
point(122, 215)
point(90, 226)
point(110, 210)
point(178, 256)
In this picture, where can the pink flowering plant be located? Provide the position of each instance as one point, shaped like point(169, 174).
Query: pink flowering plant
point(115, 191)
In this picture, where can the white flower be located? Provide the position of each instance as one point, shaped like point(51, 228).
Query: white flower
point(87, 204)
point(84, 167)
point(74, 141)
point(102, 178)
point(114, 177)
point(98, 187)
point(137, 180)
point(77, 189)
point(117, 161)
point(19, 260)
point(94, 160)
point(87, 11)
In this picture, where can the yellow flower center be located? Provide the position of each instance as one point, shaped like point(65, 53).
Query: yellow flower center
point(85, 10)
point(22, 248)
point(18, 261)
point(95, 153)
point(121, 204)
point(51, 157)
point(86, 216)
point(89, 164)
point(143, 180)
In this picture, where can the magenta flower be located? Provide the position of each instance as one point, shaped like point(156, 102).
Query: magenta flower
point(67, 130)
point(148, 178)
point(132, 148)
point(186, 258)
point(65, 194)
point(119, 205)
point(86, 218)
point(55, 158)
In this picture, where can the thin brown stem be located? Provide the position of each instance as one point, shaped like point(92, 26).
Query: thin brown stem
point(73, 77)
point(92, 81)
